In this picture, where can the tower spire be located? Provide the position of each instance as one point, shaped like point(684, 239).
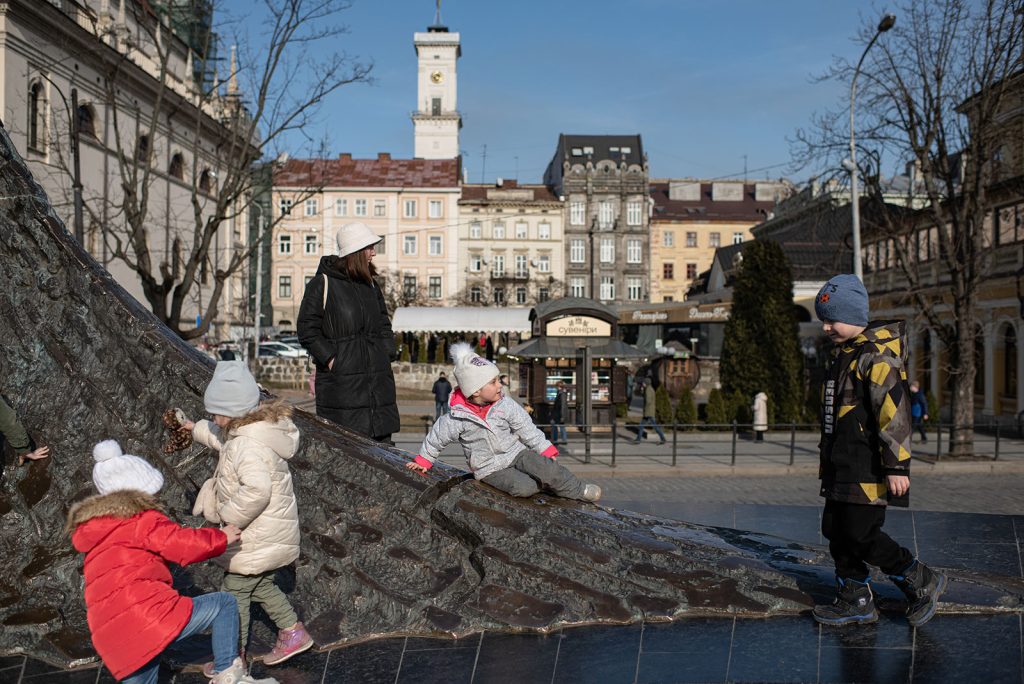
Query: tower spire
point(437, 14)
point(233, 78)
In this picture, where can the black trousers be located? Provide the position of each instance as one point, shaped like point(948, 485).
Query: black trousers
point(856, 540)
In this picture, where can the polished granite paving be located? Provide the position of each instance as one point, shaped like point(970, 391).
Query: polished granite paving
point(950, 648)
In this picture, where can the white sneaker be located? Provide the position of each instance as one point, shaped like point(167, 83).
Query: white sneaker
point(236, 674)
point(591, 492)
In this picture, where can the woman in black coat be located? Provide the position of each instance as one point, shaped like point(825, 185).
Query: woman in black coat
point(348, 335)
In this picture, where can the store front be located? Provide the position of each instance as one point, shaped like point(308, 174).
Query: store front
point(570, 337)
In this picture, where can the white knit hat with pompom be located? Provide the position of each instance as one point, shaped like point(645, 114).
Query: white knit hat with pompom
point(471, 371)
point(115, 470)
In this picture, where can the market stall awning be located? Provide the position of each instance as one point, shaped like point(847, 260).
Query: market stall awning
point(565, 347)
point(461, 319)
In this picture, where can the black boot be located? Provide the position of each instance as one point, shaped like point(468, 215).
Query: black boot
point(922, 585)
point(854, 603)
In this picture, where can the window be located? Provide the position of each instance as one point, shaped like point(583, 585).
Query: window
point(36, 116)
point(691, 239)
point(310, 244)
point(669, 238)
point(205, 181)
point(177, 166)
point(521, 271)
point(435, 106)
point(499, 295)
point(434, 287)
point(577, 287)
point(543, 294)
point(434, 208)
point(607, 250)
point(434, 245)
point(1009, 361)
point(605, 214)
point(285, 206)
point(577, 251)
point(86, 120)
point(306, 278)
point(474, 230)
point(360, 207)
point(691, 271)
point(380, 208)
point(576, 212)
point(498, 266)
point(476, 295)
point(379, 247)
point(284, 244)
point(499, 231)
point(409, 286)
point(607, 287)
point(634, 288)
point(476, 263)
point(521, 231)
point(409, 209)
point(668, 271)
point(544, 263)
point(520, 295)
point(284, 287)
point(634, 251)
point(1009, 224)
point(668, 298)
point(634, 215)
point(341, 207)
point(737, 238)
point(312, 207)
point(544, 231)
point(715, 240)
point(409, 245)
point(141, 149)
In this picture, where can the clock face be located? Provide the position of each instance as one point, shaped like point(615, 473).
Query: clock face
point(437, 77)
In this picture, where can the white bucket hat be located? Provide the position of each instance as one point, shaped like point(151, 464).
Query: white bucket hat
point(353, 237)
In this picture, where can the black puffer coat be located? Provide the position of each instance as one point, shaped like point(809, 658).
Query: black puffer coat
point(354, 329)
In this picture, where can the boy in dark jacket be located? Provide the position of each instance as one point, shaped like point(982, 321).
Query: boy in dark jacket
point(865, 457)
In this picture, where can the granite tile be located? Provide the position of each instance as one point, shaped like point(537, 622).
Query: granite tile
point(7, 662)
point(969, 648)
point(516, 658)
point(301, 669)
point(796, 523)
point(602, 655)
point(432, 644)
point(373, 662)
point(690, 650)
point(956, 528)
point(757, 656)
point(994, 558)
point(448, 665)
point(10, 675)
point(865, 665)
point(889, 632)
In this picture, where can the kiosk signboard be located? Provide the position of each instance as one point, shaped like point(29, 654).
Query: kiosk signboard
point(578, 326)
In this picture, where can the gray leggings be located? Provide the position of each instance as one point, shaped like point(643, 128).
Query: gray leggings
point(530, 472)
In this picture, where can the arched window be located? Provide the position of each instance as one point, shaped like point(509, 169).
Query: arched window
point(177, 167)
point(86, 120)
point(36, 116)
point(1009, 340)
point(142, 149)
point(206, 181)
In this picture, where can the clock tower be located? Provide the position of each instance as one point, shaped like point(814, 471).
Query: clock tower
point(436, 121)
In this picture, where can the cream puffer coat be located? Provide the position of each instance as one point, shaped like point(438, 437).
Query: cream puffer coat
point(252, 488)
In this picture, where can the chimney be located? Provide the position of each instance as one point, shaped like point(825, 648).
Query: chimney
point(346, 156)
point(383, 156)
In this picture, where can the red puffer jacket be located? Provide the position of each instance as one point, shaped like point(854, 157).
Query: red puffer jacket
point(133, 611)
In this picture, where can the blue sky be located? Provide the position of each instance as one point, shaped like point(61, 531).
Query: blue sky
point(704, 83)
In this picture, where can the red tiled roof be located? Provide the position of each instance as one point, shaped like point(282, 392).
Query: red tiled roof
point(478, 193)
point(705, 208)
point(382, 172)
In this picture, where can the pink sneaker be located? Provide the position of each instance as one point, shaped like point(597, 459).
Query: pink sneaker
point(290, 642)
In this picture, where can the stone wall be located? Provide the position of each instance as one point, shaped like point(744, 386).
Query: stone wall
point(420, 376)
point(292, 373)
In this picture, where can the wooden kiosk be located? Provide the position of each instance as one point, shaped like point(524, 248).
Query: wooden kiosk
point(567, 333)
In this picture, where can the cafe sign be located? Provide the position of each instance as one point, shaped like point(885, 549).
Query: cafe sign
point(578, 326)
point(680, 313)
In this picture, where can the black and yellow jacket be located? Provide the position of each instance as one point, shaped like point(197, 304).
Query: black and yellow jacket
point(866, 426)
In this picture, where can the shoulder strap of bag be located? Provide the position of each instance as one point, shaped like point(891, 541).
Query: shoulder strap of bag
point(326, 281)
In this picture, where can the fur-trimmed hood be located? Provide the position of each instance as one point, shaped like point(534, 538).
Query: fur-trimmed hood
point(271, 425)
point(119, 506)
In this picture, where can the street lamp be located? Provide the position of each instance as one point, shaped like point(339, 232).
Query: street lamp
point(884, 25)
point(76, 168)
point(258, 306)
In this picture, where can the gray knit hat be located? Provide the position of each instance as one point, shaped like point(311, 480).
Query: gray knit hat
point(471, 371)
point(233, 391)
point(842, 299)
point(116, 470)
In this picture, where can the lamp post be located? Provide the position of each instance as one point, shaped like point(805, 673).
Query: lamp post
point(258, 306)
point(884, 25)
point(76, 167)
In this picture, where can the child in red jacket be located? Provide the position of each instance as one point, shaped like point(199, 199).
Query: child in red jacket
point(134, 613)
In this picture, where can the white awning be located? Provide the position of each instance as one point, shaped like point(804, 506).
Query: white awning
point(460, 319)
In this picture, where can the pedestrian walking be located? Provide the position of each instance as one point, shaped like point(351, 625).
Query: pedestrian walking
point(560, 414)
point(759, 409)
point(442, 390)
point(918, 409)
point(865, 458)
point(650, 413)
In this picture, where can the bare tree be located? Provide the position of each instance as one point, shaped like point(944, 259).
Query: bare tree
point(482, 291)
point(398, 292)
point(275, 88)
point(931, 99)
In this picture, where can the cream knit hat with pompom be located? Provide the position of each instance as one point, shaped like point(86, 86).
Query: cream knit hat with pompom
point(115, 470)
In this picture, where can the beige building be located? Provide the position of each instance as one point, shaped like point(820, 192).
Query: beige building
point(413, 203)
point(693, 218)
point(54, 52)
point(510, 244)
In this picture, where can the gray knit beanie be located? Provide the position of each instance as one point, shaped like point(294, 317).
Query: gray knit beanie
point(471, 371)
point(842, 299)
point(115, 471)
point(233, 391)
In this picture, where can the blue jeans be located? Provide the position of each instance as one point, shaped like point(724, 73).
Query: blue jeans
point(440, 408)
point(555, 429)
point(217, 612)
point(654, 426)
